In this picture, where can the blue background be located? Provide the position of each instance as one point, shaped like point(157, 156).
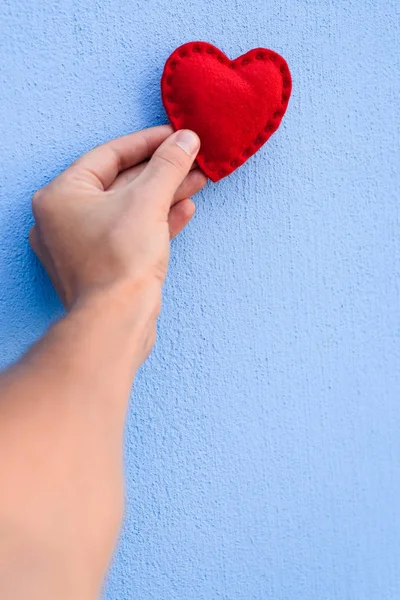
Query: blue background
point(262, 445)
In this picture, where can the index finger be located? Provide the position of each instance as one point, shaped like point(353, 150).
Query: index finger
point(106, 161)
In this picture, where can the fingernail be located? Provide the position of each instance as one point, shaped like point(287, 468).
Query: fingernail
point(188, 141)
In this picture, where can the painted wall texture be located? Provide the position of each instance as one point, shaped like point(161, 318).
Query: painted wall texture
point(262, 443)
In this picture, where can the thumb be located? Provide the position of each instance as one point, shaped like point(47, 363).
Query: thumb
point(171, 162)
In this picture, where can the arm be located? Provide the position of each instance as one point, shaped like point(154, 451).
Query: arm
point(102, 231)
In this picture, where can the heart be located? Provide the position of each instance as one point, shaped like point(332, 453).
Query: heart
point(233, 105)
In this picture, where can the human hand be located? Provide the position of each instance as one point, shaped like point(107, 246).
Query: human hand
point(106, 221)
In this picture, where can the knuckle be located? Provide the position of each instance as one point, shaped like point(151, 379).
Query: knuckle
point(174, 161)
point(37, 199)
point(66, 179)
point(41, 203)
point(201, 180)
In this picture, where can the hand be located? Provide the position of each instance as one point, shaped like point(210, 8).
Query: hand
point(106, 221)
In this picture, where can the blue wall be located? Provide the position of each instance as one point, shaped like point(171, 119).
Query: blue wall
point(263, 445)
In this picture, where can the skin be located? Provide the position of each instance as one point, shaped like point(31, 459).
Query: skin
point(102, 232)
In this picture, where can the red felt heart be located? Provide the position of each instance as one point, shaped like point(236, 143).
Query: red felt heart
point(233, 105)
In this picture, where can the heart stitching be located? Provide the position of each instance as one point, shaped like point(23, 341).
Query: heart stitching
point(217, 169)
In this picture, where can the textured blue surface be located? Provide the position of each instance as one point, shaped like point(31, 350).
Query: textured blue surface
point(263, 445)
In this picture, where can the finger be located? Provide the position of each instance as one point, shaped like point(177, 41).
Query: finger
point(126, 177)
point(102, 164)
point(180, 215)
point(193, 183)
point(170, 164)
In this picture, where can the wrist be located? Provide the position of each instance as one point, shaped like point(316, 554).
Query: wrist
point(130, 298)
point(128, 310)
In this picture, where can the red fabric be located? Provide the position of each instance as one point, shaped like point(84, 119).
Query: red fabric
point(233, 105)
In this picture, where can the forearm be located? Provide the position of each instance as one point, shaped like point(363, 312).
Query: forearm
point(65, 403)
point(92, 353)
